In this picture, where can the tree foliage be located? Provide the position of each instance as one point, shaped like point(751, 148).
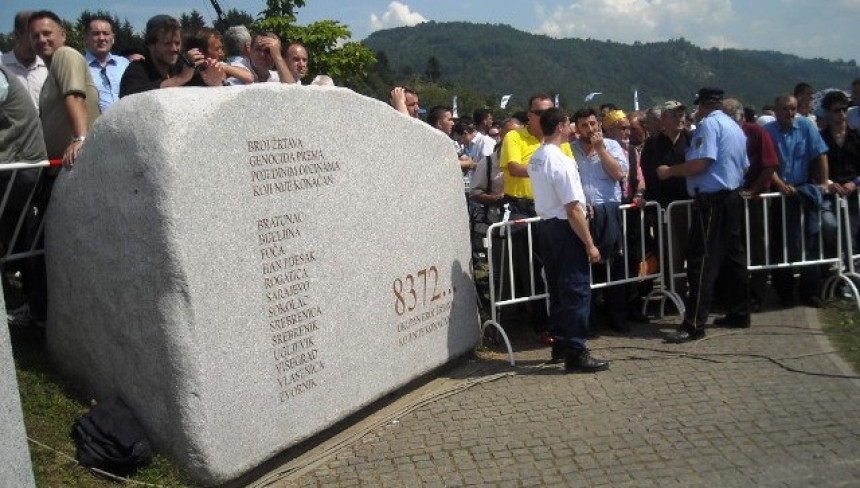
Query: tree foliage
point(498, 59)
point(74, 37)
point(7, 42)
point(124, 35)
point(327, 41)
point(433, 71)
point(192, 21)
point(237, 17)
point(282, 8)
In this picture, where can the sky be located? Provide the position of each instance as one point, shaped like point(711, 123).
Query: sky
point(810, 29)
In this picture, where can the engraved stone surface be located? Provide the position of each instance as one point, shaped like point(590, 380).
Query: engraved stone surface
point(246, 266)
point(15, 467)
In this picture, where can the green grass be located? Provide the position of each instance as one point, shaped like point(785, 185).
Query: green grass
point(840, 320)
point(50, 409)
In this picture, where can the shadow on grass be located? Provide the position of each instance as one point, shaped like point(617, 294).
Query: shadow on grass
point(50, 408)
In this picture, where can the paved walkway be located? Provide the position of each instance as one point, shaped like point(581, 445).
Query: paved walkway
point(763, 406)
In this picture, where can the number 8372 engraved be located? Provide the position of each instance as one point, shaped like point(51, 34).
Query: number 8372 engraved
point(416, 291)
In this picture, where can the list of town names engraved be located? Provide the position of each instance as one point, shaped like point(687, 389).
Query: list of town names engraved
point(292, 316)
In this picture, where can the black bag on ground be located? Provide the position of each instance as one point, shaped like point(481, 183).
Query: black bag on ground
point(109, 437)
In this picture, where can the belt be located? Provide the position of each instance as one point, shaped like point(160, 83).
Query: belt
point(518, 200)
point(715, 196)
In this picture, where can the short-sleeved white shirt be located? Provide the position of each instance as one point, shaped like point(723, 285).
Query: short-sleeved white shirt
point(555, 182)
point(482, 146)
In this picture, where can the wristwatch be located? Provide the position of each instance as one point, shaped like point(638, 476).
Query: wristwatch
point(79, 139)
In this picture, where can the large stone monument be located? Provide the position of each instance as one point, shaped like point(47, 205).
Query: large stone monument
point(15, 467)
point(246, 266)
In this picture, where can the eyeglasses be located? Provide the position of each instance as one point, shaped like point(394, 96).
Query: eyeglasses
point(625, 127)
point(837, 110)
point(538, 112)
point(494, 134)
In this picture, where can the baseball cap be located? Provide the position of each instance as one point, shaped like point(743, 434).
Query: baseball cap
point(672, 105)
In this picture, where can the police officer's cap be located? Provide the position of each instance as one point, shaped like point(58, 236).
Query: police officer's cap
point(708, 94)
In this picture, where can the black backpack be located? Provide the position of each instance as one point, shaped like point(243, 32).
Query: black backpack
point(109, 437)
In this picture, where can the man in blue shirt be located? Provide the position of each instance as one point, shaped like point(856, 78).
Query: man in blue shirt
point(798, 145)
point(715, 166)
point(602, 165)
point(106, 68)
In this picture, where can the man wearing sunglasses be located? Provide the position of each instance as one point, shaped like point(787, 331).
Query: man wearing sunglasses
point(843, 159)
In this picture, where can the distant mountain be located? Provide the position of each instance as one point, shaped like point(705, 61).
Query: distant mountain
point(498, 59)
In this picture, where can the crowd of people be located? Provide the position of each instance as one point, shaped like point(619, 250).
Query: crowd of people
point(50, 95)
point(575, 171)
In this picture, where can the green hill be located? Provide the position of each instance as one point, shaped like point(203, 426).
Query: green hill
point(498, 59)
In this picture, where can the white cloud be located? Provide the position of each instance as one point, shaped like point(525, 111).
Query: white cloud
point(397, 15)
point(635, 20)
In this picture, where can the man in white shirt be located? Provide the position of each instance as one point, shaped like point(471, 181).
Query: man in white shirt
point(23, 62)
point(566, 244)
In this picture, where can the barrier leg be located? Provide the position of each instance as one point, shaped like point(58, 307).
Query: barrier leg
point(504, 337)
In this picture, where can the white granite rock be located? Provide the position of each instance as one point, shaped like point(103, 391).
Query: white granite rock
point(15, 467)
point(246, 266)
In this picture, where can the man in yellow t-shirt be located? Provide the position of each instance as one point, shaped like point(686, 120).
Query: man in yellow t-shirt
point(517, 150)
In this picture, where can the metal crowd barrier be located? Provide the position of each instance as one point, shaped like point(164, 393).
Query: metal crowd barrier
point(774, 206)
point(507, 272)
point(673, 209)
point(661, 291)
point(779, 200)
point(846, 273)
point(504, 230)
point(32, 248)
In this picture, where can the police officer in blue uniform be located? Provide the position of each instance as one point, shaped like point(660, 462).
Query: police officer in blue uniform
point(715, 167)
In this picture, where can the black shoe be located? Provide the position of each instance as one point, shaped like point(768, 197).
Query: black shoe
point(638, 317)
point(580, 360)
point(557, 352)
point(740, 321)
point(684, 335)
point(755, 305)
point(813, 301)
point(621, 327)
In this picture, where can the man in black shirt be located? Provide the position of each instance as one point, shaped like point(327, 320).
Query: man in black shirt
point(669, 147)
point(164, 66)
point(843, 157)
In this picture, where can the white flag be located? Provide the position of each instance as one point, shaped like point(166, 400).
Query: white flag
point(556, 100)
point(505, 100)
point(454, 108)
point(591, 96)
point(636, 100)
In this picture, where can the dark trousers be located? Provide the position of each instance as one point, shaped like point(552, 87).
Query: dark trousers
point(714, 242)
point(614, 297)
point(567, 273)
